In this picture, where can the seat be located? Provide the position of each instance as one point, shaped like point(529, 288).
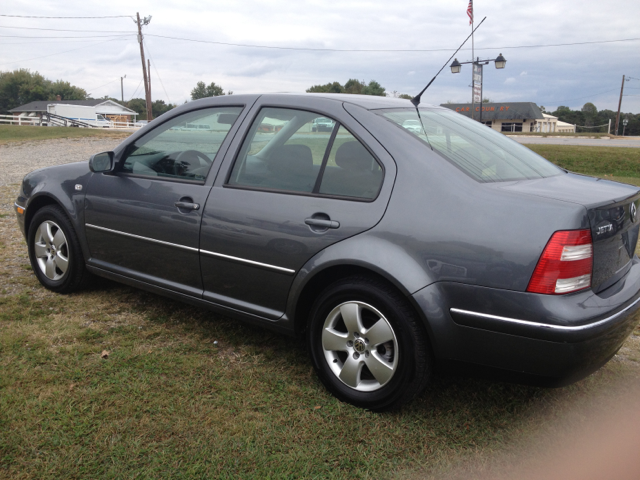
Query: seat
point(358, 175)
point(291, 168)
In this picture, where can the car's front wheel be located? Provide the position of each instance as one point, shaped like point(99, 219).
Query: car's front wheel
point(54, 251)
point(367, 345)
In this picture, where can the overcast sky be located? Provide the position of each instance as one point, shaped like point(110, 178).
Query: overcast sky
point(549, 76)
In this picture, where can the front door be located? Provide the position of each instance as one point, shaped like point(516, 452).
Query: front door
point(143, 221)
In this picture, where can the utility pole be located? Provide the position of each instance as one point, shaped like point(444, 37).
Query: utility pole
point(149, 78)
point(619, 105)
point(145, 78)
point(122, 87)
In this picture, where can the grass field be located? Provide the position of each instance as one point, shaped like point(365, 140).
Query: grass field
point(602, 162)
point(17, 133)
point(113, 382)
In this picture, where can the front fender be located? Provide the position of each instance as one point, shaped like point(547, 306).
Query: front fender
point(63, 185)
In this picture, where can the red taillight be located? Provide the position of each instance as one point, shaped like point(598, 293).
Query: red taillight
point(565, 265)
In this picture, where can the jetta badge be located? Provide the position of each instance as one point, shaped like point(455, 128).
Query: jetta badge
point(633, 213)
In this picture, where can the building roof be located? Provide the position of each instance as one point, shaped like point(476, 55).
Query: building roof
point(41, 105)
point(500, 111)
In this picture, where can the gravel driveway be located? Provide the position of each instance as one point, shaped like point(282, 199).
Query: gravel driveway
point(18, 159)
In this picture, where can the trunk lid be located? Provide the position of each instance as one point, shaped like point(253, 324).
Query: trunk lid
point(613, 210)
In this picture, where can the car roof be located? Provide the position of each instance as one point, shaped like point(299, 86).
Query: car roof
point(369, 102)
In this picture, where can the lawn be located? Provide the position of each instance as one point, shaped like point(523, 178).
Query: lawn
point(18, 133)
point(605, 162)
point(113, 382)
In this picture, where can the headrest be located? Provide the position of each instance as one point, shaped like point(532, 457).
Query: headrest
point(353, 156)
point(291, 160)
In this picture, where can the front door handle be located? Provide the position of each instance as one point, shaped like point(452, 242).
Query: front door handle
point(321, 222)
point(187, 205)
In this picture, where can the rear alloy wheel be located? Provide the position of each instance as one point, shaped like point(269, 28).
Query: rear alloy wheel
point(54, 251)
point(367, 345)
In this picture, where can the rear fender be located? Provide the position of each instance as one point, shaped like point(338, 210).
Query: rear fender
point(363, 253)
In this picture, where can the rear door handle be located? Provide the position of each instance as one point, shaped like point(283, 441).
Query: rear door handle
point(187, 205)
point(322, 223)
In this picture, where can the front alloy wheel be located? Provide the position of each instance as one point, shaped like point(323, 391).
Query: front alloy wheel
point(54, 251)
point(51, 250)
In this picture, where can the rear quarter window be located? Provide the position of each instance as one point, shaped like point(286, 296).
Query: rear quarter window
point(480, 152)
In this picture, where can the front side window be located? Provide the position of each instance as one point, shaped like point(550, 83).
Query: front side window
point(480, 152)
point(299, 151)
point(184, 147)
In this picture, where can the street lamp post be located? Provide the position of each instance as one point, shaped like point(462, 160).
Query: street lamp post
point(122, 87)
point(500, 63)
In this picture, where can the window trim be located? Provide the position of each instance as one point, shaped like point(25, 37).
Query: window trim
point(325, 160)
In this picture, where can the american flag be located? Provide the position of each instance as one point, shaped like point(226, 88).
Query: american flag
point(470, 11)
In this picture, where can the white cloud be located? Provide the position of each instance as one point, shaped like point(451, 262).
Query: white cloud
point(570, 75)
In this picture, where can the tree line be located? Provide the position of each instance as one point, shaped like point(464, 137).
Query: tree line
point(589, 116)
point(20, 87)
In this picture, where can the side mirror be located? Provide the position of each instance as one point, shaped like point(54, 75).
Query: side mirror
point(101, 162)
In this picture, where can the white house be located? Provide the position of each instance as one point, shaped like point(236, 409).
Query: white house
point(107, 108)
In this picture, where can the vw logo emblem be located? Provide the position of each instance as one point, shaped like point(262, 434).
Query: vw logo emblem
point(359, 346)
point(633, 212)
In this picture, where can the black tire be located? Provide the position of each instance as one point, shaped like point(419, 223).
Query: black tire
point(402, 363)
point(54, 251)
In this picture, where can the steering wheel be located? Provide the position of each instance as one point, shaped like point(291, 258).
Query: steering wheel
point(192, 162)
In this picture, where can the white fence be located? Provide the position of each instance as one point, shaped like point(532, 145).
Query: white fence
point(37, 122)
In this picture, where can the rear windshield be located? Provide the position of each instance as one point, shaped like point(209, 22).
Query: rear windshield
point(482, 153)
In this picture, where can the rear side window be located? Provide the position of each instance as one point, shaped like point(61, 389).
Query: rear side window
point(351, 170)
point(303, 152)
point(480, 152)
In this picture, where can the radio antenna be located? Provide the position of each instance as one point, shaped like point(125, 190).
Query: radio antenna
point(416, 100)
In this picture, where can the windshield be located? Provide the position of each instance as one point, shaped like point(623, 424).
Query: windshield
point(482, 153)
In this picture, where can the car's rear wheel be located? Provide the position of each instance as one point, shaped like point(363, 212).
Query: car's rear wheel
point(367, 345)
point(54, 251)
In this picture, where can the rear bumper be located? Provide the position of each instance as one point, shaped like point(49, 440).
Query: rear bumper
point(563, 338)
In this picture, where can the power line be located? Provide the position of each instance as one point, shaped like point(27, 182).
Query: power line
point(58, 53)
point(35, 16)
point(383, 50)
point(104, 85)
point(92, 36)
point(60, 30)
point(136, 90)
point(157, 74)
point(585, 96)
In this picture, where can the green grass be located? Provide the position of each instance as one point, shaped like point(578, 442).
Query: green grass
point(18, 133)
point(168, 402)
point(563, 134)
point(596, 161)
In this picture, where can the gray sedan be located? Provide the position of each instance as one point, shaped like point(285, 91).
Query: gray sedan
point(389, 250)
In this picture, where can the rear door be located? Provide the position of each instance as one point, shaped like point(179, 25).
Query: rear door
point(143, 221)
point(285, 192)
